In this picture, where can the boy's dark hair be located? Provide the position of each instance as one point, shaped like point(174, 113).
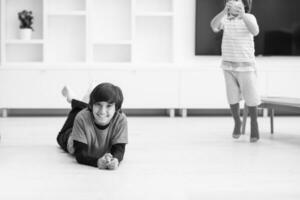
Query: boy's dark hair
point(106, 92)
point(247, 5)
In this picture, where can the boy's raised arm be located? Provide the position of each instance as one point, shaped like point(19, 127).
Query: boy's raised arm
point(216, 22)
point(251, 23)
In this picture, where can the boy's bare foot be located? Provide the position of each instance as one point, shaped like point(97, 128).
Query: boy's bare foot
point(66, 92)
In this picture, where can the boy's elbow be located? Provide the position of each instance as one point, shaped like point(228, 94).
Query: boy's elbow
point(256, 32)
point(214, 28)
point(79, 160)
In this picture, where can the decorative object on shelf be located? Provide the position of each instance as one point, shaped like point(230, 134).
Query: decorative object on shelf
point(26, 20)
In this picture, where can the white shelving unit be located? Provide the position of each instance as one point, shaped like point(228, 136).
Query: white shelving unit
point(90, 32)
point(1, 32)
point(15, 50)
point(111, 31)
point(32, 41)
point(84, 42)
point(154, 31)
point(65, 38)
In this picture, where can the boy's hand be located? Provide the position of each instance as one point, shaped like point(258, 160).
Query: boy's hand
point(114, 164)
point(108, 157)
point(238, 9)
point(228, 7)
point(108, 162)
point(101, 163)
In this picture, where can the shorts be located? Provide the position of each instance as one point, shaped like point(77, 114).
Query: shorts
point(242, 85)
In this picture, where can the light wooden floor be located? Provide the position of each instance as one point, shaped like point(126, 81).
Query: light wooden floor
point(191, 158)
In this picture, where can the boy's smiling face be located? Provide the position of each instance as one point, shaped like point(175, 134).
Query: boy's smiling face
point(103, 112)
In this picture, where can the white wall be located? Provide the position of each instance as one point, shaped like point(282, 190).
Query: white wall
point(184, 30)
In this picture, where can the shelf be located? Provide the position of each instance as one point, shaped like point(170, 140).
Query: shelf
point(113, 42)
point(16, 41)
point(25, 53)
point(112, 53)
point(154, 14)
point(66, 40)
point(87, 32)
point(153, 40)
point(23, 65)
point(54, 6)
point(154, 5)
point(111, 20)
point(67, 13)
point(12, 7)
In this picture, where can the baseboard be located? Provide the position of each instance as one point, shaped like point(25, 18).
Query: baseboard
point(26, 112)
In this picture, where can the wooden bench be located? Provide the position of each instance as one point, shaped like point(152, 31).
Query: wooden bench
point(272, 104)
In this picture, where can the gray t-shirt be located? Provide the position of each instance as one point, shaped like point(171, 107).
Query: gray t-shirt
point(99, 141)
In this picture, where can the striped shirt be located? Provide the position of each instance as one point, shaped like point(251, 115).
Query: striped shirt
point(237, 42)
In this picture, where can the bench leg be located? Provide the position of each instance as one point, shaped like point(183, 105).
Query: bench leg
point(272, 112)
point(244, 122)
point(171, 112)
point(183, 112)
point(4, 112)
point(265, 112)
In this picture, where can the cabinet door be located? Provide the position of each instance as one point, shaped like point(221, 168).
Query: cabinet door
point(202, 89)
point(20, 89)
point(143, 88)
point(153, 89)
point(283, 83)
point(53, 81)
point(120, 78)
point(39, 89)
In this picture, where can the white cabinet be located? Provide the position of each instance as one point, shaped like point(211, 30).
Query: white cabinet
point(19, 89)
point(42, 88)
point(145, 88)
point(202, 89)
point(153, 89)
point(279, 76)
point(39, 88)
point(283, 83)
